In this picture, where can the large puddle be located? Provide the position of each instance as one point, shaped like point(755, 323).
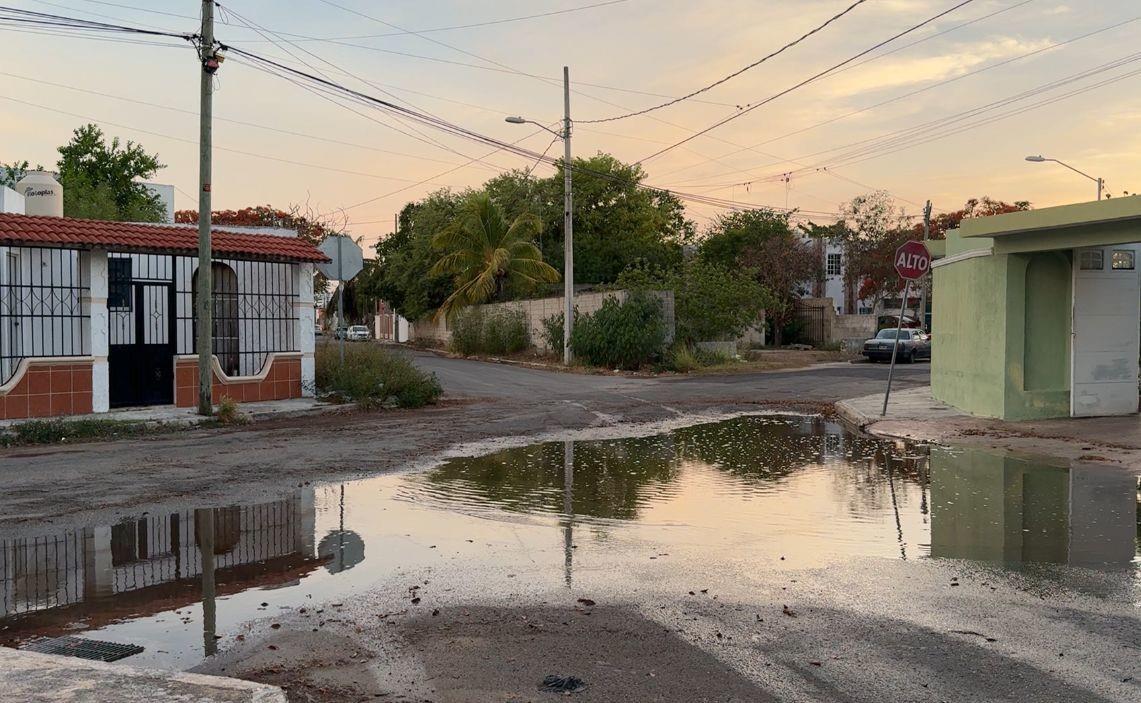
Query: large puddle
point(797, 492)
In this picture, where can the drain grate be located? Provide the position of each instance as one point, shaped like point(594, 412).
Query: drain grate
point(95, 650)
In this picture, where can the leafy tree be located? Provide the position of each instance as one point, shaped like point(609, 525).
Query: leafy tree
point(975, 207)
point(10, 174)
point(762, 242)
point(100, 179)
point(487, 255)
point(309, 226)
point(874, 227)
point(615, 222)
point(710, 302)
point(404, 259)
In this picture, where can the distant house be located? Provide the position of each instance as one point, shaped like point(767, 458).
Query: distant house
point(97, 315)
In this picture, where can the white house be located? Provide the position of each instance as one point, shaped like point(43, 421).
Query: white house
point(96, 315)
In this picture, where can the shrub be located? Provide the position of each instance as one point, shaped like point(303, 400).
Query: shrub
point(682, 359)
point(624, 335)
point(467, 330)
point(505, 332)
point(500, 332)
point(373, 376)
point(228, 412)
point(553, 332)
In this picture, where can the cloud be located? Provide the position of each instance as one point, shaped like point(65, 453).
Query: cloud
point(1058, 10)
point(896, 72)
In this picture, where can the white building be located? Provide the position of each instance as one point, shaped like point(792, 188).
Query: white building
point(96, 315)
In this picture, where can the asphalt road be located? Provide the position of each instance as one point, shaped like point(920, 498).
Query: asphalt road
point(826, 383)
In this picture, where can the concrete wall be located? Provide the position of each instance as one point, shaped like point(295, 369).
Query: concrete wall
point(11, 202)
point(1002, 321)
point(853, 329)
point(969, 352)
point(538, 310)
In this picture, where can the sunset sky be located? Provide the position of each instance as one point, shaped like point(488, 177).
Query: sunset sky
point(1011, 92)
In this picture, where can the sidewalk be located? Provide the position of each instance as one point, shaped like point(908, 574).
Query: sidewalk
point(170, 415)
point(915, 415)
point(915, 404)
point(47, 678)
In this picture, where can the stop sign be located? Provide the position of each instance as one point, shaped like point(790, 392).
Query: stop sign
point(912, 260)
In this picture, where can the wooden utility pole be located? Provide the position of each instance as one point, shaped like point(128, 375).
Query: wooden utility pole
point(205, 339)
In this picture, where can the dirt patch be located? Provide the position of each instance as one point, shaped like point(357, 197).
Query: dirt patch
point(502, 655)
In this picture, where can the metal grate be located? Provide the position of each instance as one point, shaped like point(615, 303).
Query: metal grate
point(95, 650)
point(42, 314)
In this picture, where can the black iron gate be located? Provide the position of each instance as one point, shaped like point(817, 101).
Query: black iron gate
point(142, 343)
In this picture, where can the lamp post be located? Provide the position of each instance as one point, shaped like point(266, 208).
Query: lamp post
point(1100, 181)
point(568, 221)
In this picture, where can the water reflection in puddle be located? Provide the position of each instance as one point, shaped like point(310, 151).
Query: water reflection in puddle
point(734, 493)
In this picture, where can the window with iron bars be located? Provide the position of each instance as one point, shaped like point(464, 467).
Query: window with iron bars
point(42, 292)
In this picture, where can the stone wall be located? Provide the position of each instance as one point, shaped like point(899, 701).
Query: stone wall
point(535, 311)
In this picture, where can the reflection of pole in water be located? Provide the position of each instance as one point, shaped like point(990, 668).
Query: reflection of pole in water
point(204, 522)
point(895, 504)
point(924, 481)
point(568, 511)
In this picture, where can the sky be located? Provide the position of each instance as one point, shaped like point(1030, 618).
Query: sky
point(945, 113)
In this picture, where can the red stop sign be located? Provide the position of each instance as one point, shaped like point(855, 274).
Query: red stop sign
point(912, 260)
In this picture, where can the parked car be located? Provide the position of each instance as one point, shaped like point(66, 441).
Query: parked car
point(913, 344)
point(358, 333)
point(341, 333)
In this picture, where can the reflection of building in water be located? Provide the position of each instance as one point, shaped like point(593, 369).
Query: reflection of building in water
point(994, 507)
point(832, 436)
point(138, 557)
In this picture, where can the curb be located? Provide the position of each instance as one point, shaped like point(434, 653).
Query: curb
point(853, 417)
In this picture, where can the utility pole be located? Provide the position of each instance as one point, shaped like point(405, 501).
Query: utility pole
point(923, 293)
point(568, 225)
point(209, 63)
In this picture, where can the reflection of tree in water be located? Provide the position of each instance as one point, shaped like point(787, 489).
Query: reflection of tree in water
point(768, 448)
point(614, 478)
point(611, 478)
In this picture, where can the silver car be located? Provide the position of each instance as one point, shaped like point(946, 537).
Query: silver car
point(357, 333)
point(913, 344)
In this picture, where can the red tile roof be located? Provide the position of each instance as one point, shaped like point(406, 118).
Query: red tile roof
point(27, 230)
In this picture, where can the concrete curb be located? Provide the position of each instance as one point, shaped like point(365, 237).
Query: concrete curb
point(910, 405)
point(48, 678)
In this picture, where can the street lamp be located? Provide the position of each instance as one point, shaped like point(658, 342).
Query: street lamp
point(1041, 159)
point(568, 221)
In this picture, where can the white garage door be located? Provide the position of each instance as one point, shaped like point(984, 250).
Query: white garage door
point(1104, 351)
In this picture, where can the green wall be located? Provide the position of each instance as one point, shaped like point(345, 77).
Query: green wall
point(1002, 341)
point(969, 345)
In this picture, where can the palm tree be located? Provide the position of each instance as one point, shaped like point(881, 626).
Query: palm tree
point(486, 254)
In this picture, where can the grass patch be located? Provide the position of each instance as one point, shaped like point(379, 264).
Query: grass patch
point(374, 377)
point(35, 432)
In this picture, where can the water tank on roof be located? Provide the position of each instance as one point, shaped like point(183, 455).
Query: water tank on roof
point(43, 195)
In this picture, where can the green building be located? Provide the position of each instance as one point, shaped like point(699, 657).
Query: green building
point(1036, 314)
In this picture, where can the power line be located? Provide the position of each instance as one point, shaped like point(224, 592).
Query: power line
point(736, 73)
point(918, 91)
point(195, 141)
point(803, 83)
point(892, 142)
point(254, 125)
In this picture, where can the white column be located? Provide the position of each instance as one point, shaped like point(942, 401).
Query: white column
point(306, 341)
point(95, 265)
